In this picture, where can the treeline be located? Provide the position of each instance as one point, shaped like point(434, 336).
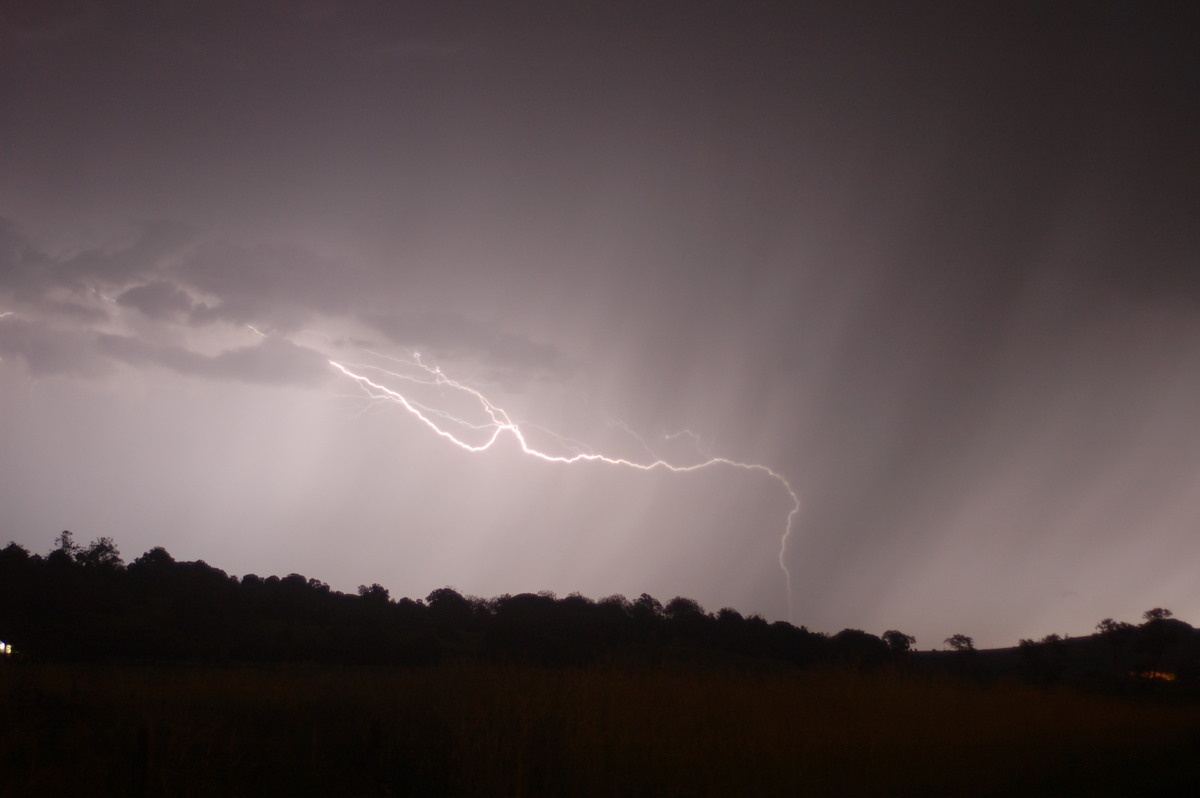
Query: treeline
point(1162, 649)
point(83, 603)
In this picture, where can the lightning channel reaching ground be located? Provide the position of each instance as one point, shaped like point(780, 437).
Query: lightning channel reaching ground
point(499, 423)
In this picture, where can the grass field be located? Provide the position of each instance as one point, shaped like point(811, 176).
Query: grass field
point(481, 730)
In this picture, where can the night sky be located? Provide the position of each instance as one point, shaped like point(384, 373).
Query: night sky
point(937, 265)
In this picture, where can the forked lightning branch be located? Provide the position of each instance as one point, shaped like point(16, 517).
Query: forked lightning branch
point(498, 423)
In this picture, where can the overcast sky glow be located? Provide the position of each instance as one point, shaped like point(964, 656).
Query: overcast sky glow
point(936, 264)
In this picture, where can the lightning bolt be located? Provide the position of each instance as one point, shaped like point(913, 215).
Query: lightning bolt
point(499, 423)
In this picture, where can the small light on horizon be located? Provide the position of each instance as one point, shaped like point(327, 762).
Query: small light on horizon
point(1155, 676)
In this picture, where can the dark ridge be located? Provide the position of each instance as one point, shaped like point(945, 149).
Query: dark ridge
point(84, 604)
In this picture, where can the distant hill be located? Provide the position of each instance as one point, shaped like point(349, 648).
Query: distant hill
point(1161, 651)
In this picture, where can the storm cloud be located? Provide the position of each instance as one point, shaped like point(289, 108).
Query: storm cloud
point(934, 264)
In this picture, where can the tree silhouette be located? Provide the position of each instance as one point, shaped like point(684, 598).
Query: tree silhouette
point(858, 649)
point(681, 607)
point(1110, 628)
point(375, 593)
point(898, 642)
point(65, 549)
point(448, 606)
point(960, 642)
point(1158, 639)
point(686, 619)
point(100, 553)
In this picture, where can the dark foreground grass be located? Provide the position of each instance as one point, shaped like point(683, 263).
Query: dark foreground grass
point(610, 731)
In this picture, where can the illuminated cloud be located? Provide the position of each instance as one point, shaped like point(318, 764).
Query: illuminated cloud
point(451, 335)
point(160, 299)
point(168, 276)
point(273, 361)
